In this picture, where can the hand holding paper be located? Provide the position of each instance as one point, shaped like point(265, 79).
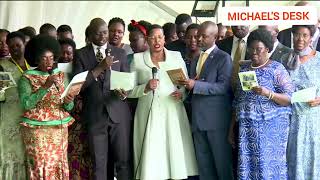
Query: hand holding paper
point(314, 102)
point(75, 84)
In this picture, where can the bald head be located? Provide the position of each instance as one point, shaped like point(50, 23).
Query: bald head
point(302, 3)
point(207, 34)
point(210, 26)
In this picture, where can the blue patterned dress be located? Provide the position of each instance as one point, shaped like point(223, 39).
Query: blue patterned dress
point(263, 126)
point(304, 134)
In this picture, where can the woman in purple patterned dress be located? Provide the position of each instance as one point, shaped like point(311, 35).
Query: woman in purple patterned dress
point(263, 114)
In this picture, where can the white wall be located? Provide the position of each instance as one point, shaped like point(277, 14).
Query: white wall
point(77, 14)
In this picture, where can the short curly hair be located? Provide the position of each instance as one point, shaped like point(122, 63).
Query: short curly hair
point(64, 28)
point(15, 34)
point(311, 28)
point(263, 36)
point(45, 28)
point(152, 27)
point(193, 26)
point(143, 23)
point(169, 29)
point(117, 20)
point(183, 18)
point(69, 42)
point(4, 31)
point(38, 45)
point(27, 32)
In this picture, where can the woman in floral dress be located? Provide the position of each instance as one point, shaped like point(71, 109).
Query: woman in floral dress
point(45, 119)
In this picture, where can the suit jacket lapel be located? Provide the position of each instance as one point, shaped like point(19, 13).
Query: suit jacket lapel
point(193, 67)
point(91, 60)
point(147, 59)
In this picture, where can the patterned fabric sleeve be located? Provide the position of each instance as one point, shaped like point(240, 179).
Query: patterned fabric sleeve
point(28, 99)
point(283, 83)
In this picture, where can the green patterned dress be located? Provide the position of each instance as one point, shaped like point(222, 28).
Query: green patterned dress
point(12, 153)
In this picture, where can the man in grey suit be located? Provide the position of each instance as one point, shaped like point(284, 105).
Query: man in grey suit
point(211, 105)
point(279, 50)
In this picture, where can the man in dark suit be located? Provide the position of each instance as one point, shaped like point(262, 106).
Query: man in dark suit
point(279, 50)
point(182, 22)
point(211, 106)
point(230, 44)
point(108, 118)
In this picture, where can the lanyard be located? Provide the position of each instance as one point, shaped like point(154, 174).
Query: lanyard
point(20, 69)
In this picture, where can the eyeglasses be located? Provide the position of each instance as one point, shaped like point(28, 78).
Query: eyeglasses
point(304, 36)
point(252, 50)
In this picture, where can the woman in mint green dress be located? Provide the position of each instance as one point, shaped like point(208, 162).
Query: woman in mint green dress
point(12, 153)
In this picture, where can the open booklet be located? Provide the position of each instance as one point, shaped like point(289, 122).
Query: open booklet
point(65, 67)
point(248, 80)
point(75, 84)
point(122, 80)
point(7, 81)
point(304, 95)
point(176, 75)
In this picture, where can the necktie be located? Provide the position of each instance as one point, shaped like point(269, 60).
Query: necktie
point(236, 66)
point(202, 59)
point(99, 55)
point(99, 58)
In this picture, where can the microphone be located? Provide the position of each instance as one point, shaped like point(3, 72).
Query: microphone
point(50, 71)
point(154, 74)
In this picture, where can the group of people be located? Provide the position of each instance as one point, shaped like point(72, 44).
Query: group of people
point(203, 127)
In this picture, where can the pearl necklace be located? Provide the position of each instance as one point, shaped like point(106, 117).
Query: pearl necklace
point(257, 67)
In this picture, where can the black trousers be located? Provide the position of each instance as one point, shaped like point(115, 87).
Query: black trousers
point(109, 145)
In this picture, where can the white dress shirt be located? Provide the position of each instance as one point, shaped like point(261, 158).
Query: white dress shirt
point(275, 44)
point(102, 49)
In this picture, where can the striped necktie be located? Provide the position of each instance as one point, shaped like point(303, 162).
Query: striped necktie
point(99, 55)
point(236, 66)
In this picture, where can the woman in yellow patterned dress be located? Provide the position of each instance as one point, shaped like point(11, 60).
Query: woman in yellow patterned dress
point(45, 120)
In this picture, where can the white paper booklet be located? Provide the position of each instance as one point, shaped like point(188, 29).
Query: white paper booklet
point(122, 80)
point(75, 83)
point(304, 95)
point(65, 67)
point(248, 80)
point(7, 81)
